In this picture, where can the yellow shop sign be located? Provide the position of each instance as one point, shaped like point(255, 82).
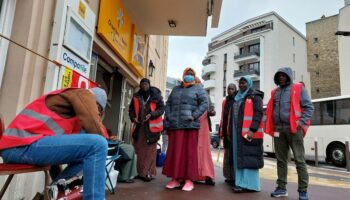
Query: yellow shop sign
point(115, 27)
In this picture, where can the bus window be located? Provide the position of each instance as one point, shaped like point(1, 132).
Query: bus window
point(327, 109)
point(343, 111)
point(316, 117)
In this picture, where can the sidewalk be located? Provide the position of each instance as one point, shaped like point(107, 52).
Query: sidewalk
point(325, 184)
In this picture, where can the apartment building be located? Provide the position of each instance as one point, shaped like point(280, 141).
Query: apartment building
point(257, 47)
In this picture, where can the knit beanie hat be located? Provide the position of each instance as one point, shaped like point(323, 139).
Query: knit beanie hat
point(101, 96)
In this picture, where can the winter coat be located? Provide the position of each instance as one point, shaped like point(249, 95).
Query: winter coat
point(249, 154)
point(156, 97)
point(281, 101)
point(184, 107)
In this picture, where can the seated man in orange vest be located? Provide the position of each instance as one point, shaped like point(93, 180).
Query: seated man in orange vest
point(287, 118)
point(46, 132)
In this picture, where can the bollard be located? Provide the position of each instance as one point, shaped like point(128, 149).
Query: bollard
point(316, 153)
point(347, 156)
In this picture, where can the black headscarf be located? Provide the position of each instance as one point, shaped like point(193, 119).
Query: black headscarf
point(145, 94)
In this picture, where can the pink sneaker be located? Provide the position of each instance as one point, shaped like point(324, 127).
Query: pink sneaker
point(173, 184)
point(188, 186)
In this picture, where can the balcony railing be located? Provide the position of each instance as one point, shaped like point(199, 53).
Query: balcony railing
point(239, 73)
point(246, 54)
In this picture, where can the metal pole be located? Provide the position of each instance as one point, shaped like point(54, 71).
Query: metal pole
point(316, 153)
point(347, 156)
point(219, 149)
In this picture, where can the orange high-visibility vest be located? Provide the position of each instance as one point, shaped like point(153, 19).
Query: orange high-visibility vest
point(222, 118)
point(295, 111)
point(155, 125)
point(248, 118)
point(36, 121)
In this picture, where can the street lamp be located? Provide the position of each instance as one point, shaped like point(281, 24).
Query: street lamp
point(151, 68)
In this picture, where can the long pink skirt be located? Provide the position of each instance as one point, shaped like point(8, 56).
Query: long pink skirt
point(182, 158)
point(205, 161)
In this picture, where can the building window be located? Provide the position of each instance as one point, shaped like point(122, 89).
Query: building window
point(254, 66)
point(318, 90)
point(224, 91)
point(293, 75)
point(317, 73)
point(293, 57)
point(224, 75)
point(225, 58)
point(258, 29)
point(293, 41)
point(316, 56)
point(208, 91)
point(254, 48)
point(315, 39)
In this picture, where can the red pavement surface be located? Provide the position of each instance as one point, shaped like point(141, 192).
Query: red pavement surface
point(155, 190)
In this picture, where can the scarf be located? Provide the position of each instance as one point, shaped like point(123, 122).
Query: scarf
point(240, 96)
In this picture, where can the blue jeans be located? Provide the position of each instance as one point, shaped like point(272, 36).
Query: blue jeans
point(79, 151)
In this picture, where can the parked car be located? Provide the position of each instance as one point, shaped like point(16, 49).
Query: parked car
point(215, 139)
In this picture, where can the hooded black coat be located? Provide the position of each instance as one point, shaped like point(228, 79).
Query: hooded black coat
point(249, 154)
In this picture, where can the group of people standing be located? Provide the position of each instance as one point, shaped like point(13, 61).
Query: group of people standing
point(48, 132)
point(242, 128)
point(288, 116)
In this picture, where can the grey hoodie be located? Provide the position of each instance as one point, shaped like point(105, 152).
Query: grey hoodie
point(281, 101)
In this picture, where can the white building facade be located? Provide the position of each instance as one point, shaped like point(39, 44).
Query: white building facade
point(257, 47)
point(344, 48)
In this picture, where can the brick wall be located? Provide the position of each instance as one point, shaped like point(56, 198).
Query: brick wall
point(323, 57)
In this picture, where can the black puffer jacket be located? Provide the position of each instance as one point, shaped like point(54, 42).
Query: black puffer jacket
point(249, 154)
point(182, 105)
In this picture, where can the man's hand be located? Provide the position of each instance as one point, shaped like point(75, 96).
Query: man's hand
point(136, 120)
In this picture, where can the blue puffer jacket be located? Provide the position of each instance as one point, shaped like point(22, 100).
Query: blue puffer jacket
point(182, 105)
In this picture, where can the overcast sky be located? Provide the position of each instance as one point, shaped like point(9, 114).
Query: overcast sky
point(190, 51)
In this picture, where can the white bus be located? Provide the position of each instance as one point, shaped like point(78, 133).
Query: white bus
point(330, 127)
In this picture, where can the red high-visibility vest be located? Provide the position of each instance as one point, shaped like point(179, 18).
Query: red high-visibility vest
point(36, 121)
point(155, 125)
point(222, 118)
point(248, 118)
point(295, 111)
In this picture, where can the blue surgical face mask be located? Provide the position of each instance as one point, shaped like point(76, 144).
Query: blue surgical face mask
point(189, 78)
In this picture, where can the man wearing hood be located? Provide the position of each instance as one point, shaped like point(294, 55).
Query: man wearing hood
point(145, 111)
point(287, 118)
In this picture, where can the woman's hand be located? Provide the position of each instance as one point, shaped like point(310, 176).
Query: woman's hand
point(249, 136)
point(147, 117)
